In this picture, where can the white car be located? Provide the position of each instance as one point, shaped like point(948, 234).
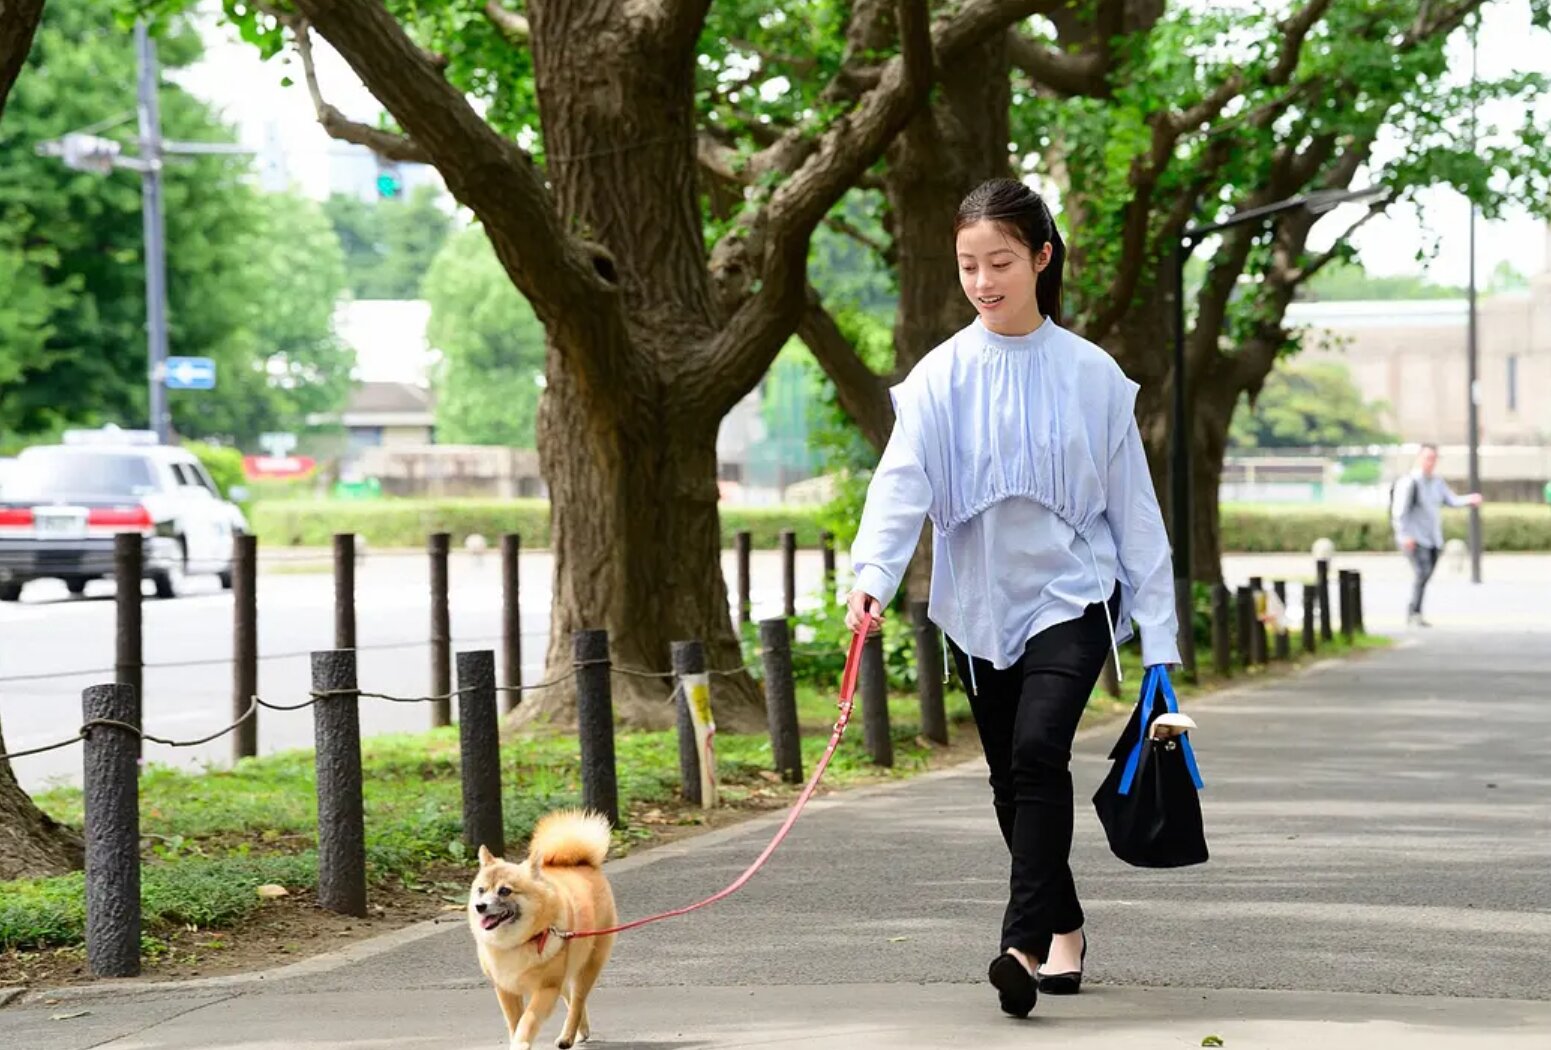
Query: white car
point(63, 505)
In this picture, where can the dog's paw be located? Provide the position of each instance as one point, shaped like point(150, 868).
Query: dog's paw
point(520, 1045)
point(562, 1042)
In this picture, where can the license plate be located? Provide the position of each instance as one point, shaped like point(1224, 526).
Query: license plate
point(59, 526)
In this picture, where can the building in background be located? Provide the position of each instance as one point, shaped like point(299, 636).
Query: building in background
point(1412, 355)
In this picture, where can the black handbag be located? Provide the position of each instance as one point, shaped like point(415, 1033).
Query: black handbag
point(1148, 803)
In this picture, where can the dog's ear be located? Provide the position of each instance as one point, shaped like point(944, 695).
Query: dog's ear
point(535, 864)
point(486, 858)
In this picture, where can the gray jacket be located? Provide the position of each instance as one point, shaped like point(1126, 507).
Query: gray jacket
point(1417, 513)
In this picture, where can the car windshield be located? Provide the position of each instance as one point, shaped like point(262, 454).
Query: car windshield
point(67, 473)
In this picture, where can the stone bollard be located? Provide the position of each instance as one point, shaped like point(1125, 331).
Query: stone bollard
point(775, 642)
point(789, 571)
point(110, 787)
point(244, 644)
point(441, 631)
point(344, 590)
point(1310, 598)
point(1245, 599)
point(745, 550)
point(1222, 633)
point(934, 716)
point(688, 659)
point(129, 661)
point(1283, 637)
point(479, 747)
point(511, 621)
point(873, 686)
point(595, 723)
point(336, 720)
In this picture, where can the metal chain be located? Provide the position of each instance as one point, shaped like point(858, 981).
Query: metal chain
point(257, 702)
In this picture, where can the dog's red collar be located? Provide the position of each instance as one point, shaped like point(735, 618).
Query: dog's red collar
point(540, 939)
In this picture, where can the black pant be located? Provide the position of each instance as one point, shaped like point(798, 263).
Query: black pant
point(1027, 716)
point(1423, 561)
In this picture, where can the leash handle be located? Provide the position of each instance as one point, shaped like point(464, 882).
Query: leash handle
point(854, 659)
point(847, 690)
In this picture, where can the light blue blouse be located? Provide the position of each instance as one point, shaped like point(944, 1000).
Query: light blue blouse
point(1024, 452)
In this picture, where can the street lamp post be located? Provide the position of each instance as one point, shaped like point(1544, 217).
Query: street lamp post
point(155, 232)
point(1318, 203)
point(1472, 350)
point(85, 151)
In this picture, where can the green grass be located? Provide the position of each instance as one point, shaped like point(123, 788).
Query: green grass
point(213, 837)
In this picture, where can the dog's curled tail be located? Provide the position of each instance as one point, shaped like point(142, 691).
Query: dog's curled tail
point(571, 838)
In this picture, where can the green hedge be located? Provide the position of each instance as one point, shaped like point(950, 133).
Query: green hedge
point(1263, 529)
point(406, 522)
point(1246, 529)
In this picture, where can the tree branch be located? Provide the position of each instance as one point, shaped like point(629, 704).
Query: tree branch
point(512, 25)
point(774, 244)
point(883, 250)
point(18, 22)
point(565, 279)
point(338, 126)
point(862, 392)
point(1167, 131)
point(1084, 74)
point(1307, 272)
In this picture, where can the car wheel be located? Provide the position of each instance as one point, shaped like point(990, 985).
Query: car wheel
point(76, 585)
point(10, 592)
point(171, 582)
point(226, 578)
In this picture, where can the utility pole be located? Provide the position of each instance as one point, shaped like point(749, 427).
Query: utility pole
point(155, 232)
point(86, 151)
point(1472, 356)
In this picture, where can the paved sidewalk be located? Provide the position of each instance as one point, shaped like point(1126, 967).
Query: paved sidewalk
point(1380, 848)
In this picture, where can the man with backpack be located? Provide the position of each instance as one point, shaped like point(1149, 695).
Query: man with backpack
point(1416, 510)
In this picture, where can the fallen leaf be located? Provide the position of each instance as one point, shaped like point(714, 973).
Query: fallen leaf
point(1212, 1040)
point(896, 940)
point(68, 1016)
point(774, 778)
point(270, 890)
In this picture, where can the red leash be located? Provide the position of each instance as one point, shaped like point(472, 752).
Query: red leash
point(847, 690)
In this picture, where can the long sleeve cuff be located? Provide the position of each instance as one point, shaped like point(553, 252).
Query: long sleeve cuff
point(1160, 644)
point(874, 580)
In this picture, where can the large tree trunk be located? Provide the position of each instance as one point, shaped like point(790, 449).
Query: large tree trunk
point(1211, 413)
point(32, 844)
point(631, 467)
point(18, 23)
point(637, 549)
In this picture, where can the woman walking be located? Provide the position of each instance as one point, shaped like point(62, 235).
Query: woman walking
point(1019, 440)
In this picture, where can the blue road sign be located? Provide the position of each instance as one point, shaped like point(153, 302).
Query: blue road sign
point(190, 373)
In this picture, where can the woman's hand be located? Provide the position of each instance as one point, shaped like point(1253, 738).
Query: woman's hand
point(858, 603)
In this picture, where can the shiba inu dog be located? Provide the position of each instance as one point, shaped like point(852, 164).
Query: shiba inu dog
point(516, 912)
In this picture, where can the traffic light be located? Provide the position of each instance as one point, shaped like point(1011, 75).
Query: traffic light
point(390, 180)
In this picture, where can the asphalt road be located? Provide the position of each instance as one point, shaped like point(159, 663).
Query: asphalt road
point(51, 634)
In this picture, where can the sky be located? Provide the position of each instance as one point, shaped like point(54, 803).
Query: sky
point(249, 94)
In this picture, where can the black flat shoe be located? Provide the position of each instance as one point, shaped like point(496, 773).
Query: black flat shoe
point(1065, 983)
point(1016, 986)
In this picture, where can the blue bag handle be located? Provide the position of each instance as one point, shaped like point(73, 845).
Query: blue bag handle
point(1184, 738)
point(1154, 678)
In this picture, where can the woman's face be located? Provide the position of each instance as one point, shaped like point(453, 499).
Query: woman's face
point(997, 272)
